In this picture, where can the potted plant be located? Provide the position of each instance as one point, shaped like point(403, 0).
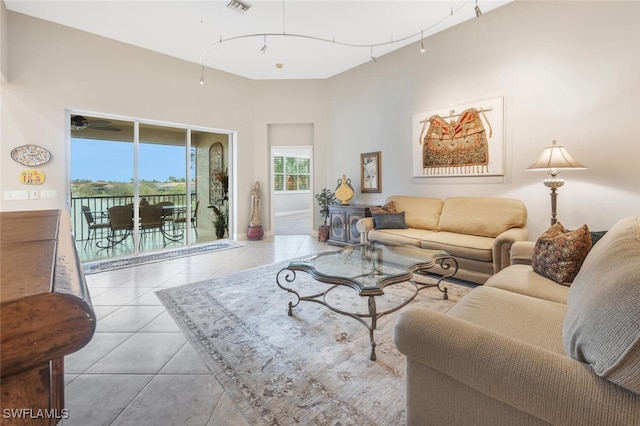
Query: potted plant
point(325, 198)
point(221, 222)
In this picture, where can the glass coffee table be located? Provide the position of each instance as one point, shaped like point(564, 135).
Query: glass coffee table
point(368, 269)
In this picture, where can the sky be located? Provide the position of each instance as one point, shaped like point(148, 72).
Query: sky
point(113, 161)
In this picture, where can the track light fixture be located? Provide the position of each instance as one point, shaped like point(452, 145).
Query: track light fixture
point(373, 58)
point(264, 48)
point(477, 9)
point(243, 6)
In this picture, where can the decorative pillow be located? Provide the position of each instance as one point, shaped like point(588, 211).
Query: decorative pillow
point(390, 207)
point(389, 221)
point(558, 253)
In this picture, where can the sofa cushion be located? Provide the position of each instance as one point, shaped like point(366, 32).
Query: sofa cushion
point(488, 217)
point(528, 319)
point(603, 307)
point(559, 254)
point(522, 279)
point(460, 245)
point(420, 212)
point(389, 221)
point(399, 236)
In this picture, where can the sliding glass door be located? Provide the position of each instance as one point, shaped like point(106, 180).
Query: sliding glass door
point(165, 196)
point(138, 187)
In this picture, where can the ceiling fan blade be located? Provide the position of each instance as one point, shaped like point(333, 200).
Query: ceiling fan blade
point(107, 128)
point(79, 122)
point(97, 123)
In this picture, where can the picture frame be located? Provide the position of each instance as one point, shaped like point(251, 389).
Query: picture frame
point(370, 172)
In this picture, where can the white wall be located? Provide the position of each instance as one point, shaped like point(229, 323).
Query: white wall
point(567, 70)
point(287, 105)
point(4, 43)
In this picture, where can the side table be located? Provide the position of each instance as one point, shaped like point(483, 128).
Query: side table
point(342, 222)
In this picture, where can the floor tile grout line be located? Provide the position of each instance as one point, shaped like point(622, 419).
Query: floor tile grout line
point(131, 334)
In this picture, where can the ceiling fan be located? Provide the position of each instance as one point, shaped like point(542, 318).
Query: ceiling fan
point(79, 122)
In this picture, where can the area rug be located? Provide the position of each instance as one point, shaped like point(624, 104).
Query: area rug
point(125, 262)
point(312, 368)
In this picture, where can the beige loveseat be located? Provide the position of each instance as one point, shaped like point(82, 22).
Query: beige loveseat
point(524, 350)
point(477, 231)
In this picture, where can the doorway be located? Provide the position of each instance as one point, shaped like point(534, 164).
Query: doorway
point(291, 192)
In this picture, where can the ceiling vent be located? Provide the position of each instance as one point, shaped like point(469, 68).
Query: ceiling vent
point(239, 6)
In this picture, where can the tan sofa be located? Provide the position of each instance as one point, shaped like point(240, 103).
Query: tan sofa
point(477, 231)
point(524, 350)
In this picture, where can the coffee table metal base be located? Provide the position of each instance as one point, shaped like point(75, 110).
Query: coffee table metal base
point(287, 275)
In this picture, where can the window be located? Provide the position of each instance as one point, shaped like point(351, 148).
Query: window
point(291, 173)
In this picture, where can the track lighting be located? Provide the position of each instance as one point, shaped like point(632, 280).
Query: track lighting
point(264, 48)
point(477, 9)
point(243, 6)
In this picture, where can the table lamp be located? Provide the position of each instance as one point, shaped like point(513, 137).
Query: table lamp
point(553, 159)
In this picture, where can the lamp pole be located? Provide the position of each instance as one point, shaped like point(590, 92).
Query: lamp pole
point(553, 183)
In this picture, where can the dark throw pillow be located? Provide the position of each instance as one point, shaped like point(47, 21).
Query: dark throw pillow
point(389, 221)
point(558, 253)
point(595, 236)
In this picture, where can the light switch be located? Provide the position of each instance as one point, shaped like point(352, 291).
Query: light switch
point(48, 193)
point(34, 194)
point(16, 195)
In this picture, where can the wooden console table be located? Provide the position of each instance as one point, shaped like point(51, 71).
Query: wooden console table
point(342, 222)
point(45, 314)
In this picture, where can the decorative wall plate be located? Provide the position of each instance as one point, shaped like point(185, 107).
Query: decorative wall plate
point(30, 155)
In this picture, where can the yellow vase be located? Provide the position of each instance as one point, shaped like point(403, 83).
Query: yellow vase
point(344, 191)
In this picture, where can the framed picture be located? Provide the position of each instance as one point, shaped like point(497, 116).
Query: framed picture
point(370, 172)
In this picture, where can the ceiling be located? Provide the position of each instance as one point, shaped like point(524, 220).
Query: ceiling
point(203, 32)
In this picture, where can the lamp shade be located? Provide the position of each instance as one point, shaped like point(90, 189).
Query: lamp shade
point(555, 157)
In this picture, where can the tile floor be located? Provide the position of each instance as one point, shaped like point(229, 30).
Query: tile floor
point(139, 369)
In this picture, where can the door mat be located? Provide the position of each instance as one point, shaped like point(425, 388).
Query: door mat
point(125, 262)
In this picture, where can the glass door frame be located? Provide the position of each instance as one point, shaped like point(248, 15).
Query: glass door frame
point(232, 138)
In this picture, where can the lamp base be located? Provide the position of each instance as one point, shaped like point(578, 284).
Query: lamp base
point(553, 183)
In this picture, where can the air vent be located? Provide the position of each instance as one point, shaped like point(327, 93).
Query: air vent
point(239, 6)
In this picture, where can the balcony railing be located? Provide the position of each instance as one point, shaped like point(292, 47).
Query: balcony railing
point(99, 207)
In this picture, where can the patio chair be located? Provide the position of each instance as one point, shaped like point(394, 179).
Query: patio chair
point(151, 221)
point(92, 224)
point(167, 211)
point(121, 224)
point(194, 218)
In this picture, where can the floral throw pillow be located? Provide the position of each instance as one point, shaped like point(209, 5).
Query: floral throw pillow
point(558, 253)
point(390, 207)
